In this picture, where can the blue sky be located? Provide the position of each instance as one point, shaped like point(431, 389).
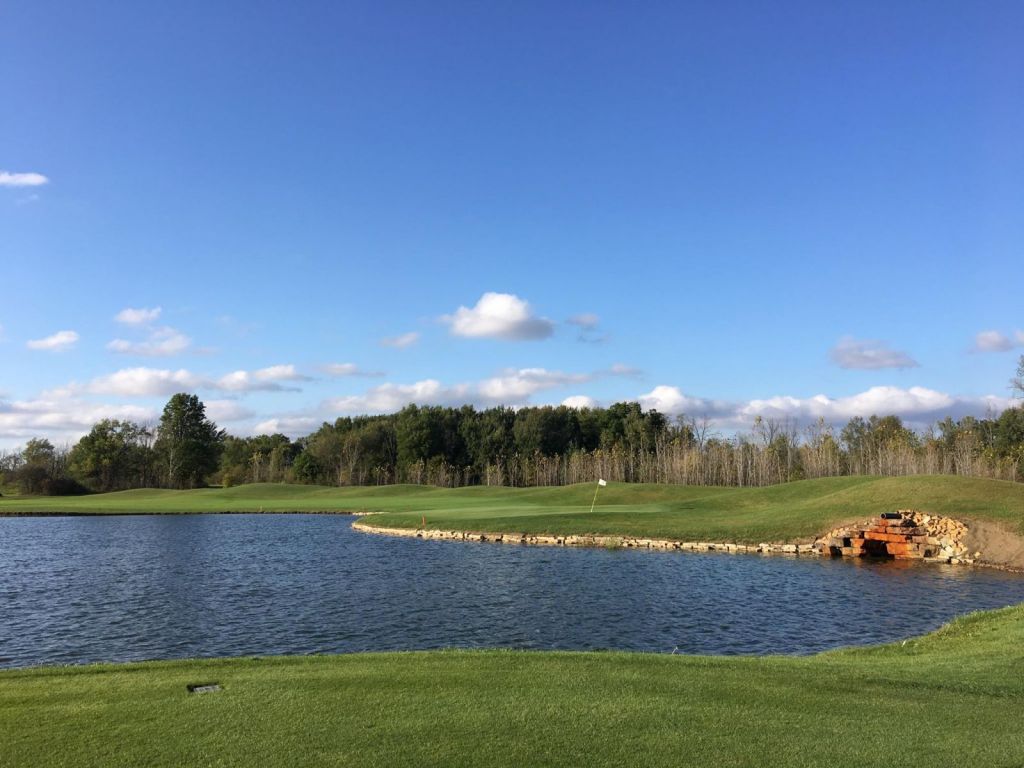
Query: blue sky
point(795, 209)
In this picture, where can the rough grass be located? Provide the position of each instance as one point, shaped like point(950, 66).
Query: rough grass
point(790, 512)
point(955, 697)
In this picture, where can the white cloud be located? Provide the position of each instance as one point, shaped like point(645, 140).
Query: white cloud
point(996, 341)
point(266, 379)
point(62, 419)
point(279, 373)
point(61, 416)
point(388, 398)
point(869, 355)
point(906, 403)
point(668, 399)
point(59, 341)
point(348, 369)
point(513, 387)
point(516, 386)
point(162, 342)
point(142, 382)
point(140, 316)
point(341, 369)
point(588, 321)
point(158, 382)
point(580, 401)
point(499, 316)
point(227, 410)
point(287, 425)
point(589, 325)
point(918, 406)
point(8, 179)
point(402, 341)
point(621, 369)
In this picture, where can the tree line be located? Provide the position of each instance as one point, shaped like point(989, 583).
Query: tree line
point(548, 445)
point(184, 451)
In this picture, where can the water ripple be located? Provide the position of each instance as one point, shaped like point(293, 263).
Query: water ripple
point(84, 589)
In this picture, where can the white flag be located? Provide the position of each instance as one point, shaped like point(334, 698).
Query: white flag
point(602, 482)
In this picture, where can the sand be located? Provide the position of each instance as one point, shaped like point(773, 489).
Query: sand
point(998, 544)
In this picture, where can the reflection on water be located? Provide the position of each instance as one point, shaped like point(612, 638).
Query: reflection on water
point(140, 587)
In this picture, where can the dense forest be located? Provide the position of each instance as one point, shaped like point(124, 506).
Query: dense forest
point(515, 447)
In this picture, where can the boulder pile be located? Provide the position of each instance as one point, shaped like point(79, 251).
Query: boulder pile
point(905, 534)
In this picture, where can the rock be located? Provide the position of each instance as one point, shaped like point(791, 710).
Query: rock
point(913, 535)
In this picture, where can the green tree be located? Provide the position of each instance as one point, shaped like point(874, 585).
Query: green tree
point(488, 436)
point(1017, 382)
point(234, 460)
point(307, 468)
point(427, 432)
point(38, 466)
point(546, 430)
point(590, 422)
point(1009, 433)
point(42, 469)
point(115, 455)
point(188, 445)
point(627, 426)
point(39, 452)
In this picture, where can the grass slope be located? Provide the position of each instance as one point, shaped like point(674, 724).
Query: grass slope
point(955, 697)
point(748, 515)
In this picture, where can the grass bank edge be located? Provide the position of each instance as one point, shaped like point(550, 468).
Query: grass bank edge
point(979, 628)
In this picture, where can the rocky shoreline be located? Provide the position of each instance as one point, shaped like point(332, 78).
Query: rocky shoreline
point(903, 535)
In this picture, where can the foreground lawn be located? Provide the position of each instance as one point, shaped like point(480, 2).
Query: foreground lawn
point(955, 697)
point(747, 515)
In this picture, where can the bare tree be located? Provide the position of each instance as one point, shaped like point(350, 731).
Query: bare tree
point(701, 430)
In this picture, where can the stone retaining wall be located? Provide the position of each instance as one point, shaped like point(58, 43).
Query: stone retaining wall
point(906, 534)
point(609, 542)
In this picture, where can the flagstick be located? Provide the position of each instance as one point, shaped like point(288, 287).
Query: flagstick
point(595, 498)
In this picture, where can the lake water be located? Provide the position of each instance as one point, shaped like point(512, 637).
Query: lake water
point(83, 589)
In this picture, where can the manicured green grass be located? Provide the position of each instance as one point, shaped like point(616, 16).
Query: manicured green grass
point(746, 515)
point(955, 697)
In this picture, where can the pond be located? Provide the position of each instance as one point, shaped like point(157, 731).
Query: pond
point(119, 588)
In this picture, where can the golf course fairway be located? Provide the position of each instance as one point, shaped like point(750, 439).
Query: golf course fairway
point(955, 696)
point(788, 512)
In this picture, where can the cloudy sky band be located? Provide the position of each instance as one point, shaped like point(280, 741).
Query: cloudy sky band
point(66, 410)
